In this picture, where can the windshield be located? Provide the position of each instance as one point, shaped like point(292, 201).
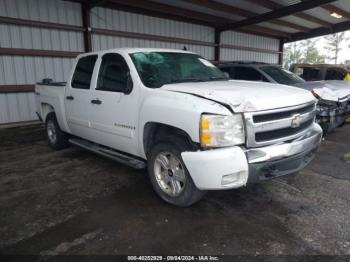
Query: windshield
point(282, 76)
point(159, 68)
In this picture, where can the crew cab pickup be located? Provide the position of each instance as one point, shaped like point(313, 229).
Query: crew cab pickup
point(178, 115)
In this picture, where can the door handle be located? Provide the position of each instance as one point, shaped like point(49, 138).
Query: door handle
point(70, 97)
point(96, 101)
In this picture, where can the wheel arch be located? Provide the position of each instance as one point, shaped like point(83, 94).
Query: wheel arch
point(46, 109)
point(155, 132)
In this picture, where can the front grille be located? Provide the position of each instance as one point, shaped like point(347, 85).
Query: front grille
point(278, 125)
point(285, 114)
point(280, 133)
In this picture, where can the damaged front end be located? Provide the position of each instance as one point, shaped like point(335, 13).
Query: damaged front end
point(331, 114)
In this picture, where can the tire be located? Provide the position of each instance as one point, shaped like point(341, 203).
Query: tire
point(162, 176)
point(57, 139)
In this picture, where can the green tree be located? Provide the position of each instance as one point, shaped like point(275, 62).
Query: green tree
point(333, 45)
point(311, 54)
point(314, 57)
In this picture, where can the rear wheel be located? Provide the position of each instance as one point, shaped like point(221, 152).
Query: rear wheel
point(57, 139)
point(169, 176)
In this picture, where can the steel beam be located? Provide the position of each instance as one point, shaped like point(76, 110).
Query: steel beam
point(278, 13)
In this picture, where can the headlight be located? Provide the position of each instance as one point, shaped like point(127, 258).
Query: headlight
point(221, 131)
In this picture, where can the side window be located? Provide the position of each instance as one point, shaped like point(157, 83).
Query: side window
point(311, 74)
point(247, 73)
point(113, 74)
point(227, 70)
point(335, 74)
point(83, 72)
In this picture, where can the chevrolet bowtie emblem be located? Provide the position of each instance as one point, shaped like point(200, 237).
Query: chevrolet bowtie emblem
point(297, 120)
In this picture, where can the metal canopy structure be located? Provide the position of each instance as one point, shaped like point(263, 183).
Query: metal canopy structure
point(288, 20)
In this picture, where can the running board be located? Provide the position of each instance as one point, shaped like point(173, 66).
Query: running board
point(110, 153)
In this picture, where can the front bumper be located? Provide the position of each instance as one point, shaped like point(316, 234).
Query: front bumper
point(233, 167)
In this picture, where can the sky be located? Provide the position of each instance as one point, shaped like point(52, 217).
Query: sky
point(344, 53)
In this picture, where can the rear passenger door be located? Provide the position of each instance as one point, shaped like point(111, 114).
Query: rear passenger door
point(77, 97)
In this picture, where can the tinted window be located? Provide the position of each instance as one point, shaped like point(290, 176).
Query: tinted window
point(335, 74)
point(83, 72)
point(281, 75)
point(159, 68)
point(246, 73)
point(113, 74)
point(226, 70)
point(310, 74)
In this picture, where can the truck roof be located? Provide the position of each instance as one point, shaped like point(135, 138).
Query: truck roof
point(135, 50)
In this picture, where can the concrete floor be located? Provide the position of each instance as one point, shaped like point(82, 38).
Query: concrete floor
point(74, 202)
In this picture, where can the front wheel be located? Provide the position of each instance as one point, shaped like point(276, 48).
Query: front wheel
point(169, 176)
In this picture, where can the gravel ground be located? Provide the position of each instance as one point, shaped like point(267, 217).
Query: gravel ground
point(74, 202)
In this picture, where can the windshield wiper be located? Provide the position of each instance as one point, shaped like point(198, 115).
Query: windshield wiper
point(216, 78)
point(184, 80)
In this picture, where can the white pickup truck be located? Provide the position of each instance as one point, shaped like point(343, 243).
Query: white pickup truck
point(179, 115)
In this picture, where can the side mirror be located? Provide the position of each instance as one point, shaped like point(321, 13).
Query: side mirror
point(129, 84)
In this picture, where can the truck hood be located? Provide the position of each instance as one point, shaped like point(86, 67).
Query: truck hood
point(245, 96)
point(332, 90)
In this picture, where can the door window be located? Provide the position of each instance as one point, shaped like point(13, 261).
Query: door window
point(113, 74)
point(227, 70)
point(309, 74)
point(83, 72)
point(246, 73)
point(335, 74)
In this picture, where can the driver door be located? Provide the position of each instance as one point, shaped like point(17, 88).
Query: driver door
point(114, 105)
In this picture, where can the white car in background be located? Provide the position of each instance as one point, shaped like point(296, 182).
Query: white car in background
point(333, 107)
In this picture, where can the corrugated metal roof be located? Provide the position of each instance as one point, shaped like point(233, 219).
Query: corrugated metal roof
point(318, 13)
point(287, 2)
point(245, 5)
point(343, 4)
point(324, 15)
point(200, 9)
point(300, 21)
point(278, 27)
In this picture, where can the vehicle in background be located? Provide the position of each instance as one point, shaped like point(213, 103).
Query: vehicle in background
point(177, 113)
point(318, 72)
point(333, 107)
